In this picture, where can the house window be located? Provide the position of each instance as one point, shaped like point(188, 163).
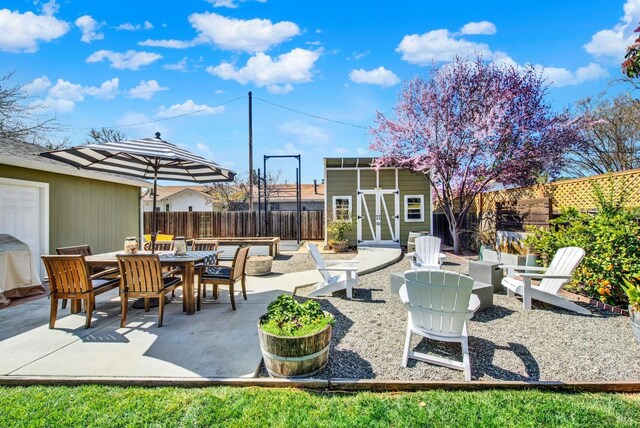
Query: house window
point(341, 207)
point(413, 208)
point(190, 208)
point(166, 207)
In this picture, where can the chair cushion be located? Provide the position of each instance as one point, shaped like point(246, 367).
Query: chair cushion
point(102, 283)
point(169, 281)
point(217, 273)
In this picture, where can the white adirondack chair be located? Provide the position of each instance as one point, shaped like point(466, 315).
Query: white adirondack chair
point(439, 304)
point(346, 277)
point(552, 278)
point(427, 254)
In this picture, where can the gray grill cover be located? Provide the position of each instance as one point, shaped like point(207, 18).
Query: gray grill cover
point(18, 272)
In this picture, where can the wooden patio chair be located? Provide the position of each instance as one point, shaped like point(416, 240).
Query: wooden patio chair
point(204, 245)
point(439, 304)
point(69, 278)
point(85, 250)
point(141, 276)
point(427, 254)
point(553, 278)
point(160, 246)
point(336, 274)
point(224, 275)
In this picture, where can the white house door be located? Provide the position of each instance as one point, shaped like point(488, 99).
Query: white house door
point(21, 216)
point(378, 214)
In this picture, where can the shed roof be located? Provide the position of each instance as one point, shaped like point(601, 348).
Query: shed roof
point(348, 162)
point(25, 155)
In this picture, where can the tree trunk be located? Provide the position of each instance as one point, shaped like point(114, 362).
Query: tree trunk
point(453, 230)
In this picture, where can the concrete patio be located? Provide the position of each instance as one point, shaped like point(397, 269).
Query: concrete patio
point(215, 342)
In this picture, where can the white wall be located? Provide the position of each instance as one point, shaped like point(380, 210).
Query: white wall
point(181, 202)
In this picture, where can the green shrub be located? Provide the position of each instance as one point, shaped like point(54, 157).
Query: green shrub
point(611, 240)
point(339, 227)
point(286, 317)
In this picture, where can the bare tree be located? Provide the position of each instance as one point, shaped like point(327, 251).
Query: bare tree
point(235, 195)
point(611, 140)
point(104, 135)
point(19, 119)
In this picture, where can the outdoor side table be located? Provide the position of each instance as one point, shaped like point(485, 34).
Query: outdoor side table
point(487, 272)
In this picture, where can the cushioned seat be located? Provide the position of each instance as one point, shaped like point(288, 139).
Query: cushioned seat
point(216, 272)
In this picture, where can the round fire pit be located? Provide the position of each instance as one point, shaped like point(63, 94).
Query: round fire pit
point(259, 265)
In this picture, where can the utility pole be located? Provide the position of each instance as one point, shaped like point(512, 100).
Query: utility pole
point(250, 151)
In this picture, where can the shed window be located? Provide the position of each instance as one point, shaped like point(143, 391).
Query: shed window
point(413, 208)
point(190, 208)
point(342, 207)
point(167, 207)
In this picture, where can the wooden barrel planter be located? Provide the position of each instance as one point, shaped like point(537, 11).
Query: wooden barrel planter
point(340, 246)
point(259, 265)
point(294, 357)
point(411, 241)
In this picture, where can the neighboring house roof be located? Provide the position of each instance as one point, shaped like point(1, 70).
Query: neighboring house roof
point(165, 192)
point(25, 155)
point(287, 193)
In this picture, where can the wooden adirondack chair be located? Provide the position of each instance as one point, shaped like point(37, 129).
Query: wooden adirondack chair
point(346, 279)
point(427, 254)
point(553, 278)
point(439, 304)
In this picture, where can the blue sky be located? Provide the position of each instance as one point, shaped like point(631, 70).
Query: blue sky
point(136, 65)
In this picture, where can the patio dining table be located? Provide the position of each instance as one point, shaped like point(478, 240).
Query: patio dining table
point(167, 258)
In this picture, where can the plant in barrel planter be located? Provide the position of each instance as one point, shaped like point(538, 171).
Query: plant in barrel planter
point(295, 337)
point(338, 228)
point(633, 293)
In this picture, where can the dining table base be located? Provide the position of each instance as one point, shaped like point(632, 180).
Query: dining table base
point(153, 302)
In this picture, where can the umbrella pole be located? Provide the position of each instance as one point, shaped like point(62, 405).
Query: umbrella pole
point(154, 215)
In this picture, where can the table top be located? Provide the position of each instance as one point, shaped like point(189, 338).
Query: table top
point(165, 256)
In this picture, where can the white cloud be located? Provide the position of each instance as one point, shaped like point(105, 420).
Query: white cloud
point(219, 91)
point(189, 107)
point(254, 35)
point(287, 149)
point(62, 96)
point(482, 27)
point(223, 3)
point(341, 150)
point(170, 43)
point(205, 151)
point(146, 89)
point(130, 60)
point(358, 55)
point(139, 125)
point(362, 152)
point(37, 85)
point(89, 27)
point(611, 43)
point(107, 91)
point(304, 133)
point(66, 90)
point(178, 66)
point(276, 74)
point(21, 32)
point(50, 8)
point(127, 26)
point(438, 46)
point(560, 77)
point(379, 76)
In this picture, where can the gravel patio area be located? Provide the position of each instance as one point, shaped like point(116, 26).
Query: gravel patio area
point(506, 342)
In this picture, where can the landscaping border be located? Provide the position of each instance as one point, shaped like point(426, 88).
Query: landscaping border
point(330, 385)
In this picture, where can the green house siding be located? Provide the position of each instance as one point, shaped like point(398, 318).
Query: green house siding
point(85, 211)
point(342, 183)
point(342, 180)
point(413, 184)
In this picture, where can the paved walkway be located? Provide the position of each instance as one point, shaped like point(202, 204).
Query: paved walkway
point(215, 342)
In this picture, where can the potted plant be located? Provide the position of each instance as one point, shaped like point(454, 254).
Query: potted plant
point(294, 337)
point(338, 228)
point(633, 294)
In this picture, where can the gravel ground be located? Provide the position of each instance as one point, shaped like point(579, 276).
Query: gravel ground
point(506, 342)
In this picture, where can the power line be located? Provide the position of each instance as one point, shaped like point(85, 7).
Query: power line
point(310, 115)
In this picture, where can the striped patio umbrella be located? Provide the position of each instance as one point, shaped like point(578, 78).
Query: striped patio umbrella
point(147, 158)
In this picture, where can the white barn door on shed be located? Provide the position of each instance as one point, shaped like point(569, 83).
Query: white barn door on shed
point(24, 215)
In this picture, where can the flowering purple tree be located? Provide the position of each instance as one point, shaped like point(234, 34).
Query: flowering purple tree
point(631, 64)
point(471, 124)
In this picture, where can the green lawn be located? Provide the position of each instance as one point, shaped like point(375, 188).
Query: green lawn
point(102, 406)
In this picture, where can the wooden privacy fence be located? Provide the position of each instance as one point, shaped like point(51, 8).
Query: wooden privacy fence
point(516, 215)
point(232, 224)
